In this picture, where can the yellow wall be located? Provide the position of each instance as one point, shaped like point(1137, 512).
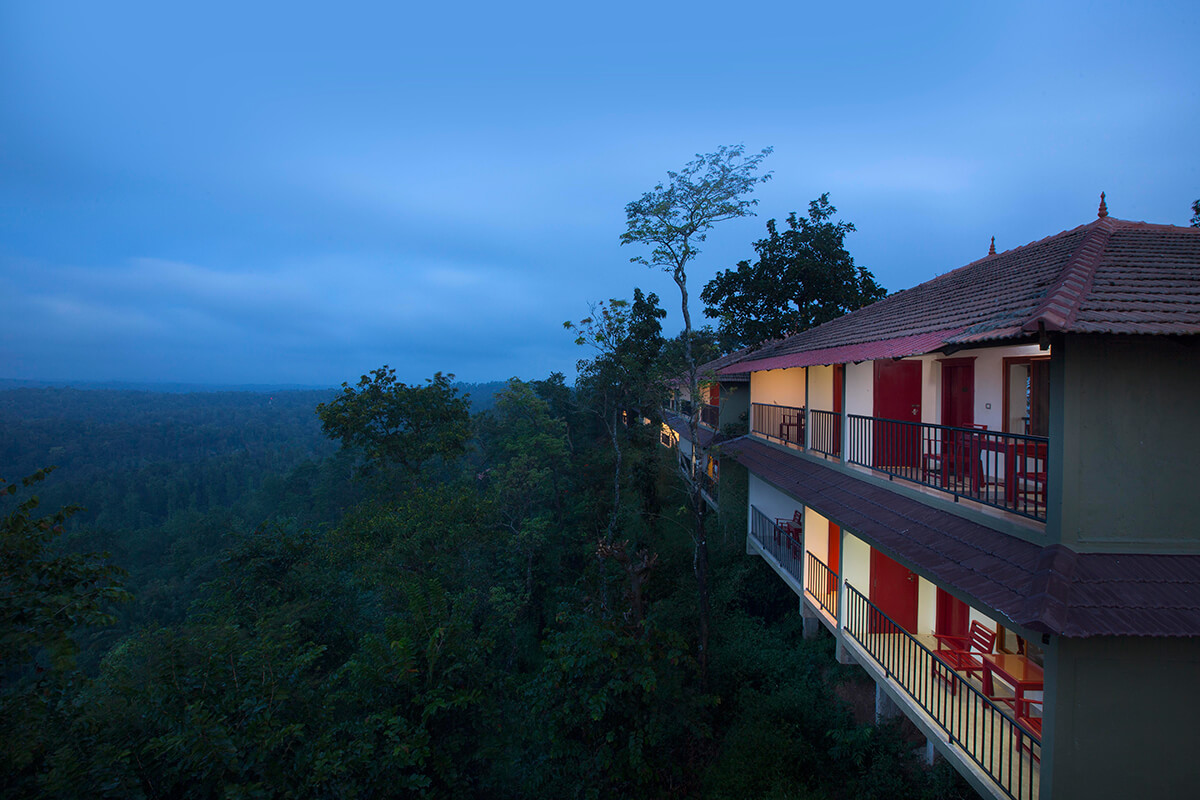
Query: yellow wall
point(783, 387)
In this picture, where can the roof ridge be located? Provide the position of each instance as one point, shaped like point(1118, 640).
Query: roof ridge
point(1062, 301)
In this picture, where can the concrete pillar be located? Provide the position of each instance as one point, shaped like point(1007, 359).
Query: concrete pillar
point(843, 655)
point(930, 753)
point(812, 623)
point(885, 707)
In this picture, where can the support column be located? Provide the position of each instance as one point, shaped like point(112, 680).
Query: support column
point(885, 707)
point(812, 623)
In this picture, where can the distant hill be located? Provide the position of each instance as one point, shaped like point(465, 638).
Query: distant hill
point(482, 394)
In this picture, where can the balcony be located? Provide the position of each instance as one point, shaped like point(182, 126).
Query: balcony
point(822, 586)
point(1002, 470)
point(785, 546)
point(710, 415)
point(1008, 471)
point(1005, 752)
point(783, 424)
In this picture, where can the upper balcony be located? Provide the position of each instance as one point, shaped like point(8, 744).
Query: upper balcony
point(971, 427)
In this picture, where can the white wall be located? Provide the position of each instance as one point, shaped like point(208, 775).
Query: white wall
point(926, 605)
point(856, 562)
point(860, 388)
point(771, 501)
point(820, 388)
point(816, 537)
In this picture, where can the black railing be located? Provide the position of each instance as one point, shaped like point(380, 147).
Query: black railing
point(784, 546)
point(710, 415)
point(822, 585)
point(826, 432)
point(1005, 470)
point(782, 423)
point(1006, 752)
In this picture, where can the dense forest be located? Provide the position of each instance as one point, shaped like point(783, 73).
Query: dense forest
point(281, 616)
point(397, 590)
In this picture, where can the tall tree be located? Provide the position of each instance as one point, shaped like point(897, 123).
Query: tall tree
point(623, 381)
point(803, 277)
point(673, 219)
point(47, 599)
point(1196, 214)
point(392, 424)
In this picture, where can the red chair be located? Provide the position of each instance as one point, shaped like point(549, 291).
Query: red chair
point(963, 653)
point(1029, 475)
point(1023, 708)
point(952, 454)
point(794, 528)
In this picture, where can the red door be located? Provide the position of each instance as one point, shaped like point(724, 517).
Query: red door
point(835, 556)
point(894, 592)
point(953, 615)
point(958, 392)
point(958, 411)
point(898, 398)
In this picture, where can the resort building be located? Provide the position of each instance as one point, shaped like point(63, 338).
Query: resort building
point(987, 488)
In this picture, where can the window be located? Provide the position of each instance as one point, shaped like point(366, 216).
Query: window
point(1027, 395)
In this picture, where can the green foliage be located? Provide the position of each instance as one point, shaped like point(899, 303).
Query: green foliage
point(47, 599)
point(47, 596)
point(393, 424)
point(674, 217)
point(616, 713)
point(803, 277)
point(1196, 214)
point(465, 637)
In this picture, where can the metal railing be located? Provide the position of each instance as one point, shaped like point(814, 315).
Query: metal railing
point(1005, 470)
point(822, 585)
point(782, 545)
point(710, 415)
point(826, 432)
point(1008, 754)
point(782, 423)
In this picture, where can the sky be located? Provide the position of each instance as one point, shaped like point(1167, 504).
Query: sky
point(298, 193)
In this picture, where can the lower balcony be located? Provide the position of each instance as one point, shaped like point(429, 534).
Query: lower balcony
point(998, 736)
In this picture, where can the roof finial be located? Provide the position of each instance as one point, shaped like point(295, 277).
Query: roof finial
point(992, 248)
point(1103, 212)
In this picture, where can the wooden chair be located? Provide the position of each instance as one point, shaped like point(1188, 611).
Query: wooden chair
point(952, 451)
point(1029, 475)
point(963, 653)
point(1026, 722)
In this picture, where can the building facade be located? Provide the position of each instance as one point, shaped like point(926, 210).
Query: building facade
point(987, 488)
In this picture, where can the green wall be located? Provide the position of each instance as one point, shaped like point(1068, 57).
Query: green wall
point(1125, 721)
point(1125, 444)
point(735, 406)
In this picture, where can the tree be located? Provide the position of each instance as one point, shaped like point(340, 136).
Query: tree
point(803, 277)
point(47, 598)
point(623, 381)
point(1196, 214)
point(672, 219)
point(394, 424)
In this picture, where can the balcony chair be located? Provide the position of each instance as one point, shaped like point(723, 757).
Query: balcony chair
point(1029, 476)
point(792, 422)
point(963, 653)
point(1027, 723)
point(794, 528)
point(954, 451)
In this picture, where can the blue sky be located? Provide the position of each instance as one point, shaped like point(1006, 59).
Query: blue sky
point(299, 193)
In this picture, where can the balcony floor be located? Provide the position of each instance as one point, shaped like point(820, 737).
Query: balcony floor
point(998, 756)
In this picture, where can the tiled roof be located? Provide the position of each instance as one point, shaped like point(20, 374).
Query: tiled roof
point(717, 366)
point(679, 424)
point(1049, 589)
point(1110, 276)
